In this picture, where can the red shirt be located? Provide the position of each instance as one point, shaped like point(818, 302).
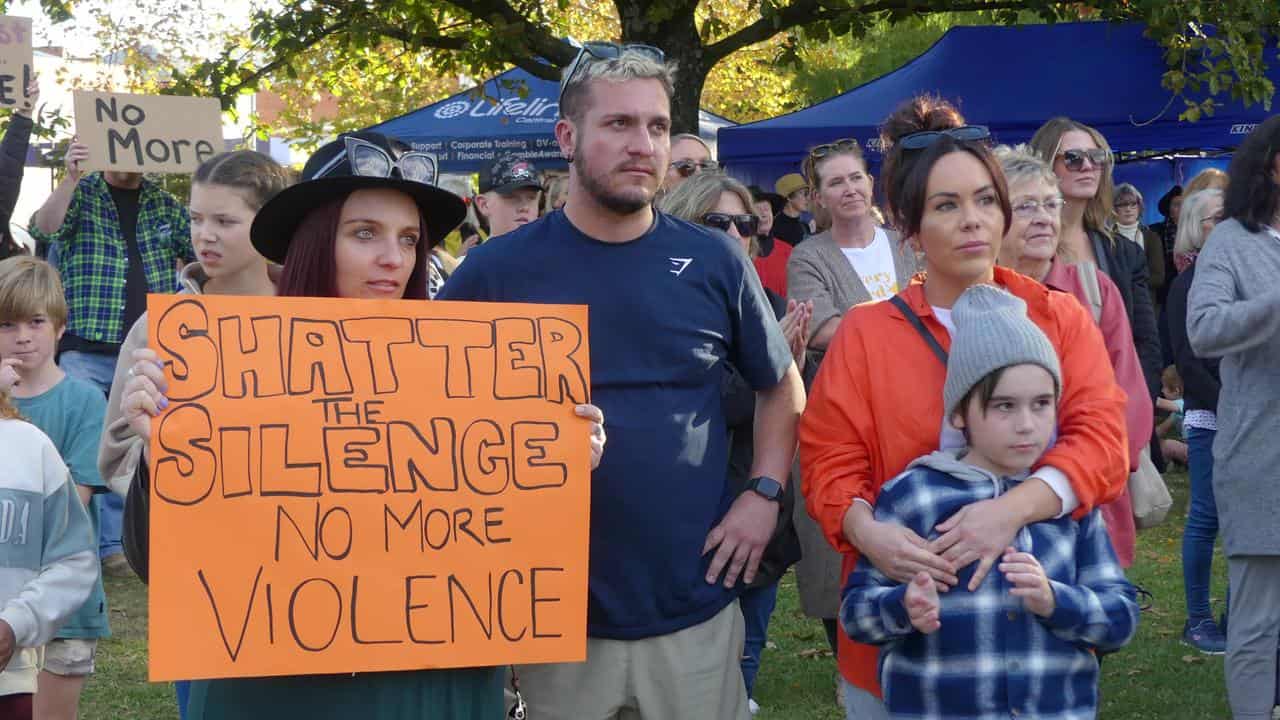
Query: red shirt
point(773, 269)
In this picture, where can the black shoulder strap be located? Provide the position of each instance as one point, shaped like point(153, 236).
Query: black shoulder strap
point(915, 321)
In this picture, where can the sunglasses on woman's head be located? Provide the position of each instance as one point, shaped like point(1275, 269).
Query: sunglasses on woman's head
point(687, 168)
point(589, 51)
point(818, 152)
point(1074, 159)
point(925, 138)
point(747, 224)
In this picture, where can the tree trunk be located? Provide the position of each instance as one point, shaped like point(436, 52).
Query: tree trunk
point(678, 37)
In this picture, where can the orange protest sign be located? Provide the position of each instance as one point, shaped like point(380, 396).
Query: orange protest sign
point(347, 486)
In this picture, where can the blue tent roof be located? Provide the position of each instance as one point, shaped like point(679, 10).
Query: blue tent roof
point(469, 129)
point(1011, 79)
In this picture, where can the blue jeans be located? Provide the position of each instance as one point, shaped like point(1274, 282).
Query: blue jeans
point(757, 607)
point(1202, 524)
point(99, 370)
point(183, 690)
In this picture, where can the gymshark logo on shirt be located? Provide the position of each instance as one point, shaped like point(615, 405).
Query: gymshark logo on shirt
point(678, 265)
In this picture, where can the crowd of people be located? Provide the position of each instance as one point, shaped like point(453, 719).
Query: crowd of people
point(973, 354)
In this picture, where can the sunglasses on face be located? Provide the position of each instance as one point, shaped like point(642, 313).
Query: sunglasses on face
point(1126, 204)
point(820, 151)
point(925, 138)
point(369, 160)
point(591, 51)
point(687, 168)
point(1074, 159)
point(747, 225)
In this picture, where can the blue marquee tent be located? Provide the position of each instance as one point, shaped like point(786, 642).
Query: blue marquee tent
point(1011, 79)
point(469, 129)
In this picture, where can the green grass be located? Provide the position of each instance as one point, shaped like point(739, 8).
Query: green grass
point(1156, 677)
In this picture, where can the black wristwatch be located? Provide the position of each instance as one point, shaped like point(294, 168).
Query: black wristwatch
point(766, 487)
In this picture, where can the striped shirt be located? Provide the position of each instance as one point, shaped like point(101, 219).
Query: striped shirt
point(991, 658)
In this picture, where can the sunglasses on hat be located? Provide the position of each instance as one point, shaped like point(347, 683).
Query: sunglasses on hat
point(747, 225)
point(925, 138)
point(369, 160)
point(1074, 159)
point(589, 51)
point(687, 168)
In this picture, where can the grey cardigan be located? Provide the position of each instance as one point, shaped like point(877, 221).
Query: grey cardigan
point(1233, 313)
point(820, 272)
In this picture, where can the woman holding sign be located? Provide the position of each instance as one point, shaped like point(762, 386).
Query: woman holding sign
point(360, 225)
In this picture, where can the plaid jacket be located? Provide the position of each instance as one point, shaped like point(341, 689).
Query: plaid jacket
point(94, 261)
point(991, 658)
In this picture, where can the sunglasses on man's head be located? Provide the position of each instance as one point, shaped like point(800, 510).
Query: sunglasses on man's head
point(687, 168)
point(589, 51)
point(818, 152)
point(1074, 159)
point(925, 138)
point(747, 224)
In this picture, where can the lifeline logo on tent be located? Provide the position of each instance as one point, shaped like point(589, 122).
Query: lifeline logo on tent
point(537, 110)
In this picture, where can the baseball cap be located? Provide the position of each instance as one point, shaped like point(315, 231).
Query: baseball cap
point(508, 173)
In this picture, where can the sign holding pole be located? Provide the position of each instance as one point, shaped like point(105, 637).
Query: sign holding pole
point(147, 133)
point(17, 61)
point(344, 486)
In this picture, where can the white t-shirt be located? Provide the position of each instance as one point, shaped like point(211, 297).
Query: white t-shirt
point(950, 438)
point(874, 265)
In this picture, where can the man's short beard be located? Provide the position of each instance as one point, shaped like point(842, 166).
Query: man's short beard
point(615, 203)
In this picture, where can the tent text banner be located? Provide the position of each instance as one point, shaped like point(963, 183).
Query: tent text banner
point(344, 486)
point(16, 61)
point(147, 133)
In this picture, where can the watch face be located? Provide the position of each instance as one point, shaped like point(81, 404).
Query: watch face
point(768, 487)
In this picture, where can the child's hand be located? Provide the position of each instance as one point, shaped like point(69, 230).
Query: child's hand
point(8, 375)
point(1029, 582)
point(921, 602)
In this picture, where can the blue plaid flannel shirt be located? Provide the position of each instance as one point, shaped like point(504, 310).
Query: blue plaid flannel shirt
point(94, 261)
point(992, 658)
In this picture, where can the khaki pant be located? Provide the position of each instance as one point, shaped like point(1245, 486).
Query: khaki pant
point(694, 673)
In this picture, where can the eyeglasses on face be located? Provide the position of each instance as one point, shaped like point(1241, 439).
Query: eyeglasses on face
point(1029, 208)
point(592, 51)
point(1074, 159)
point(747, 225)
point(1126, 204)
point(925, 138)
point(687, 168)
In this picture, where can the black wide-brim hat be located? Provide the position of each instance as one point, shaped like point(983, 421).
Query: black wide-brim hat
point(274, 225)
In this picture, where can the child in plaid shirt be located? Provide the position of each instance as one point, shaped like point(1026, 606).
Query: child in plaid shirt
point(1022, 644)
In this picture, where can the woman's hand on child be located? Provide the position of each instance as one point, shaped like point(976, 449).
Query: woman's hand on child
point(901, 554)
point(597, 438)
point(976, 532)
point(8, 374)
point(1024, 572)
point(143, 397)
point(922, 604)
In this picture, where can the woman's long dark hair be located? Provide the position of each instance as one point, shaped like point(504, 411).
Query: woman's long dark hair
point(310, 269)
point(1253, 197)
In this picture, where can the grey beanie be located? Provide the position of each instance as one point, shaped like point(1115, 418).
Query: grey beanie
point(992, 332)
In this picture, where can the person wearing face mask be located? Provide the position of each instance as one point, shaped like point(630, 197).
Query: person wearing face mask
point(1129, 207)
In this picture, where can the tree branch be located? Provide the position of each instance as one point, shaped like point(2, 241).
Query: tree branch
point(804, 12)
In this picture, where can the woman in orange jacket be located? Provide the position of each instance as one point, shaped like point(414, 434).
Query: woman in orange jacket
point(877, 402)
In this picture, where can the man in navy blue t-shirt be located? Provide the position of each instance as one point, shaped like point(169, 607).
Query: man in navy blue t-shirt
point(670, 303)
